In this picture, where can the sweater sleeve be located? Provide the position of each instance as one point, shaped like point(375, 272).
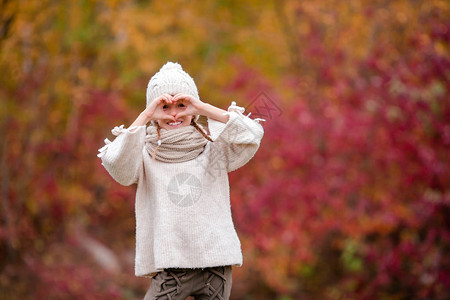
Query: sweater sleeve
point(236, 141)
point(123, 157)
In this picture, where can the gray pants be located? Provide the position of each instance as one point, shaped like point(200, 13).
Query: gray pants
point(175, 284)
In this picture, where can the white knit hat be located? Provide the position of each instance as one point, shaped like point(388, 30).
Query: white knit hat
point(171, 79)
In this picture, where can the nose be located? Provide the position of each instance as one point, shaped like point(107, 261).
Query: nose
point(173, 110)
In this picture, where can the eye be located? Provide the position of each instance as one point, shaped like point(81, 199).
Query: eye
point(165, 107)
point(181, 105)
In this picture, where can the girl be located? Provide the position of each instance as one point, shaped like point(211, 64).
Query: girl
point(185, 237)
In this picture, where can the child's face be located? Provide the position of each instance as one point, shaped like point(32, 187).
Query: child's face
point(173, 109)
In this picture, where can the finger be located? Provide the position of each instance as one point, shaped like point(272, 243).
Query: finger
point(167, 117)
point(180, 115)
point(179, 97)
point(182, 101)
point(156, 101)
point(161, 103)
point(160, 100)
point(168, 98)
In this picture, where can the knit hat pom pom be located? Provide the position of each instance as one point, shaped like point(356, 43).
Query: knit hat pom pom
point(171, 66)
point(171, 79)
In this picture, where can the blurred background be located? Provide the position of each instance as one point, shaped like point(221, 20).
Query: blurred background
point(347, 198)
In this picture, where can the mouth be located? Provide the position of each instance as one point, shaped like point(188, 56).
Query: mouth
point(174, 124)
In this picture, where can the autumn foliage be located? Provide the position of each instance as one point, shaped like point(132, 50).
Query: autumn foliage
point(347, 198)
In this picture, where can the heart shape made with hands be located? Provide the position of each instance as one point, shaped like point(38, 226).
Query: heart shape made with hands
point(170, 109)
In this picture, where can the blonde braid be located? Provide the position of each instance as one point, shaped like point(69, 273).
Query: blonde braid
point(158, 130)
point(193, 123)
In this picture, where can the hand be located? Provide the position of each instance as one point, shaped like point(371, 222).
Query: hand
point(155, 110)
point(194, 106)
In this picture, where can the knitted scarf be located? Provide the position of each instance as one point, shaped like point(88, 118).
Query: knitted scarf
point(177, 145)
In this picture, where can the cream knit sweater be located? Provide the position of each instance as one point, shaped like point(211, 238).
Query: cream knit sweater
point(183, 215)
